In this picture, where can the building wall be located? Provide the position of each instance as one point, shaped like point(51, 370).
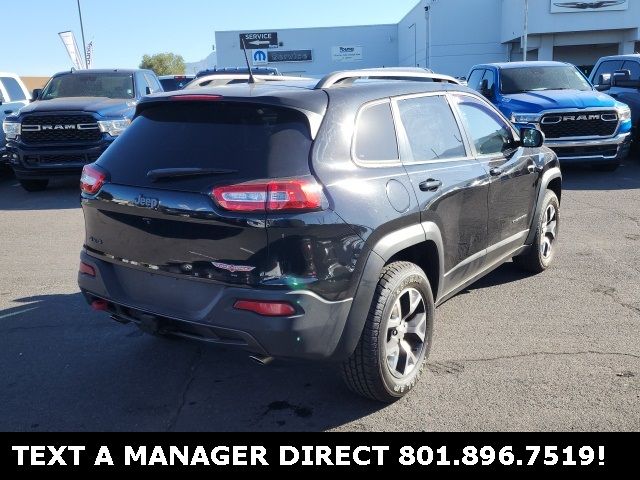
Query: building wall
point(462, 33)
point(379, 42)
point(541, 20)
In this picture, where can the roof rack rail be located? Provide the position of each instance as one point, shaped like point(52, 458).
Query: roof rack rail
point(348, 77)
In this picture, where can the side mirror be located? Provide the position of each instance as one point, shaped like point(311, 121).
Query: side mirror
point(604, 82)
point(147, 91)
point(620, 76)
point(485, 90)
point(35, 95)
point(531, 137)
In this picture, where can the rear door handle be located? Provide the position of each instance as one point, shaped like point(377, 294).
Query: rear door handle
point(496, 172)
point(431, 185)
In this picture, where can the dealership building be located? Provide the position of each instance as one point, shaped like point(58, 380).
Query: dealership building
point(448, 36)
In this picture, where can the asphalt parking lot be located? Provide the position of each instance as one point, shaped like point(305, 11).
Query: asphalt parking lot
point(560, 351)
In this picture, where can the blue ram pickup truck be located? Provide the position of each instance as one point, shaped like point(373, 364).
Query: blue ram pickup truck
point(581, 124)
point(72, 121)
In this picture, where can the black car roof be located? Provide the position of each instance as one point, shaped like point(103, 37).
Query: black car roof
point(102, 70)
point(303, 94)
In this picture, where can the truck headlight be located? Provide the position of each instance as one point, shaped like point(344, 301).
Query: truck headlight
point(525, 117)
point(11, 129)
point(114, 127)
point(624, 113)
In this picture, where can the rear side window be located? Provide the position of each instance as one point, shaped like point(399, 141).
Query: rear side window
point(431, 128)
point(251, 141)
point(475, 79)
point(609, 66)
point(13, 89)
point(376, 134)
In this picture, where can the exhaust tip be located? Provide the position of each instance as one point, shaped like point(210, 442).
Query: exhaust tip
point(262, 361)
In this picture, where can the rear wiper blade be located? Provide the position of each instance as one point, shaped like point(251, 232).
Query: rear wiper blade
point(166, 173)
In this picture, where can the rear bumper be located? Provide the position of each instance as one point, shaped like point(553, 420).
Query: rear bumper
point(599, 151)
point(204, 311)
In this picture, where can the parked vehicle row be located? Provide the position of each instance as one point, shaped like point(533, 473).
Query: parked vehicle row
point(250, 216)
point(13, 96)
point(581, 124)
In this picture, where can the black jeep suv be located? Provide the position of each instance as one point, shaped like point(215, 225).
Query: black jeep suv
point(315, 221)
point(72, 121)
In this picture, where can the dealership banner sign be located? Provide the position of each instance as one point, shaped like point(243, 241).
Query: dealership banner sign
point(605, 455)
point(347, 54)
point(564, 6)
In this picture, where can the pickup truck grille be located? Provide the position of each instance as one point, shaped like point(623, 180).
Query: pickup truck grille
point(579, 124)
point(38, 160)
point(59, 128)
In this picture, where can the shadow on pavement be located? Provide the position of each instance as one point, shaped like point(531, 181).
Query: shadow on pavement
point(66, 368)
point(62, 194)
point(627, 177)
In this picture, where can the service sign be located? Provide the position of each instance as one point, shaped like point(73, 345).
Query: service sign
point(277, 56)
point(563, 6)
point(347, 53)
point(259, 41)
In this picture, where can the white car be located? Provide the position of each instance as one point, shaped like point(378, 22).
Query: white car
point(230, 79)
point(13, 96)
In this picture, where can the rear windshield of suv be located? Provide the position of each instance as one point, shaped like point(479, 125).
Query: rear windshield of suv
point(251, 141)
point(109, 85)
point(536, 79)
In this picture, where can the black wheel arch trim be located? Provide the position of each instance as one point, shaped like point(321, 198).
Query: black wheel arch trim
point(380, 254)
point(548, 176)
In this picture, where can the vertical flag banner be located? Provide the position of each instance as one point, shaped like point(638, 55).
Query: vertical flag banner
point(69, 41)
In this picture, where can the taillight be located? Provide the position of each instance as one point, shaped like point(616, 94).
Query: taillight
point(302, 194)
point(92, 179)
point(87, 269)
point(266, 309)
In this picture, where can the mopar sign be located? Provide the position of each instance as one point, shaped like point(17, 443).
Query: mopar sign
point(260, 57)
point(346, 53)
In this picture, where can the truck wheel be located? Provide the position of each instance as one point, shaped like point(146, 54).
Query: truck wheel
point(396, 339)
point(34, 185)
point(540, 255)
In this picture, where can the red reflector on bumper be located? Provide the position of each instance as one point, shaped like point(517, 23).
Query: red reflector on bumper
point(87, 269)
point(100, 305)
point(266, 309)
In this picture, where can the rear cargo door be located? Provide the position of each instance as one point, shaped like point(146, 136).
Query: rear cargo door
point(156, 210)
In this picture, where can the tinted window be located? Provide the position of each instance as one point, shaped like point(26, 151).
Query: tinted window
point(475, 79)
point(110, 85)
point(152, 83)
point(609, 66)
point(528, 79)
point(489, 132)
point(376, 134)
point(172, 84)
point(256, 142)
point(633, 67)
point(490, 77)
point(431, 128)
point(13, 89)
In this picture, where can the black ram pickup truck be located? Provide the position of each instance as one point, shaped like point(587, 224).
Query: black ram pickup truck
point(72, 121)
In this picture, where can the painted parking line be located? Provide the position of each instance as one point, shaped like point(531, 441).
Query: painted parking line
point(13, 314)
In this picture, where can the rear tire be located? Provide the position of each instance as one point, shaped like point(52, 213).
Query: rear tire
point(540, 255)
point(396, 339)
point(34, 185)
